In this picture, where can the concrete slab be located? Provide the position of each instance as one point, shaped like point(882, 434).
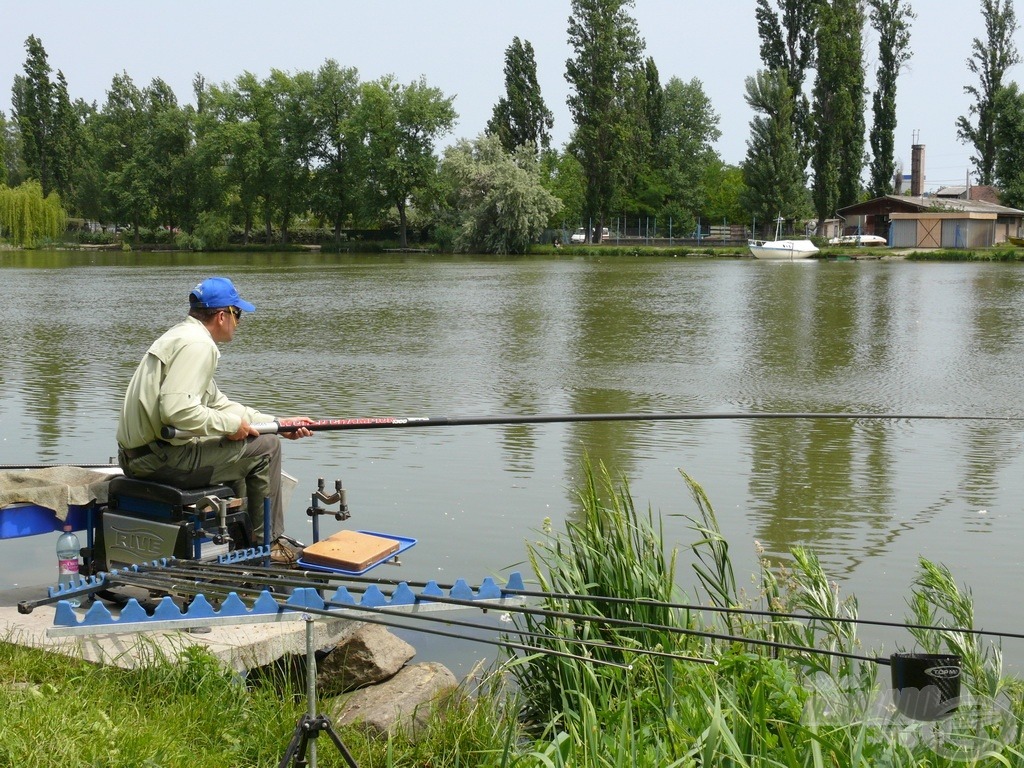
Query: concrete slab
point(239, 646)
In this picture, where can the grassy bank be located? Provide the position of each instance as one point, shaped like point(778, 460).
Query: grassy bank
point(780, 691)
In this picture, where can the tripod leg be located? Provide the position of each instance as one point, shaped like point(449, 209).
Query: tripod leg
point(337, 742)
point(297, 746)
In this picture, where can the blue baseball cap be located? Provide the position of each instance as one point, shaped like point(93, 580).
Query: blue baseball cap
point(218, 292)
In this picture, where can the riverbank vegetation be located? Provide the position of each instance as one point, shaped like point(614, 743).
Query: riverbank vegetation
point(780, 691)
point(259, 160)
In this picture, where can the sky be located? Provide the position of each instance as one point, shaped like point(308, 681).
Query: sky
point(459, 47)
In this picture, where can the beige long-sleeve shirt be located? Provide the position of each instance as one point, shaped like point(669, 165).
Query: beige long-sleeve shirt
point(174, 386)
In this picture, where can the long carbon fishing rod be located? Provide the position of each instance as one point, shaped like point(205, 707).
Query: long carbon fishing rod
point(167, 583)
point(301, 578)
point(384, 422)
point(641, 602)
point(629, 624)
point(391, 619)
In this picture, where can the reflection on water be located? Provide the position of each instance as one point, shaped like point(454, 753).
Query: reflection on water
point(426, 336)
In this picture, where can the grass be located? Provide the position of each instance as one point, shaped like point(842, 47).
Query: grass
point(757, 706)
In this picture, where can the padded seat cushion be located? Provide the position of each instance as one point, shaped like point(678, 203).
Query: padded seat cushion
point(166, 494)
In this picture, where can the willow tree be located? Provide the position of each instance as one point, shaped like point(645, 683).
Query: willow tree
point(497, 198)
point(27, 217)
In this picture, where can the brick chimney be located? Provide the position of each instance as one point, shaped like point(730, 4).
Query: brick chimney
point(917, 170)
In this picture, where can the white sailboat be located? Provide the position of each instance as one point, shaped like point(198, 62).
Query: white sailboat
point(781, 249)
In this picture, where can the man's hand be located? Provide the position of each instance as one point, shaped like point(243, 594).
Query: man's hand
point(295, 421)
point(245, 429)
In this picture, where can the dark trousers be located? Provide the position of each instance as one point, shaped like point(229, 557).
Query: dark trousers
point(251, 466)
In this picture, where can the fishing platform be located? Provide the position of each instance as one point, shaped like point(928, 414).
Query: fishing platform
point(164, 568)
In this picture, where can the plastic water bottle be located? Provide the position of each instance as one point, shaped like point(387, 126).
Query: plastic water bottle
point(67, 561)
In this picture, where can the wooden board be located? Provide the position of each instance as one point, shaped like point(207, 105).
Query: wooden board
point(350, 550)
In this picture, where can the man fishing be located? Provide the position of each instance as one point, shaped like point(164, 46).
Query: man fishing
point(174, 386)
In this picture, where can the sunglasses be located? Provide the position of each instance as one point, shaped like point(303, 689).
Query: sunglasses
point(235, 312)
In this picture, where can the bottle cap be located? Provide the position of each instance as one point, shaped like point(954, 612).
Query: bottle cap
point(67, 527)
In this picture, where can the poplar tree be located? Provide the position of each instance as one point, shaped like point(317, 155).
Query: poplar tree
point(607, 48)
point(1009, 134)
point(641, 188)
point(838, 156)
point(788, 43)
point(4, 144)
point(32, 99)
point(771, 171)
point(990, 61)
point(521, 118)
point(891, 20)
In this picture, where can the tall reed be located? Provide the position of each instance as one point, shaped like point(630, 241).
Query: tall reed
point(812, 705)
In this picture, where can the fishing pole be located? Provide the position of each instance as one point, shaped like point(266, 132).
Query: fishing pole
point(384, 422)
point(639, 601)
point(374, 618)
point(167, 583)
point(301, 578)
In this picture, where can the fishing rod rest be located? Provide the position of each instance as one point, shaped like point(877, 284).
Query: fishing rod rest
point(220, 506)
point(339, 497)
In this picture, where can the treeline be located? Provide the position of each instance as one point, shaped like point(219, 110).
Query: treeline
point(257, 158)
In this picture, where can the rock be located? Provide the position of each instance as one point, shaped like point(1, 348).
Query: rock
point(371, 655)
point(403, 703)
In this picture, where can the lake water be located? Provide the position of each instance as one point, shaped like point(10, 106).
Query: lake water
point(432, 336)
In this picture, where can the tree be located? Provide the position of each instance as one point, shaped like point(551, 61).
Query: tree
point(1009, 142)
point(123, 153)
point(724, 190)
point(607, 47)
point(399, 126)
point(891, 20)
point(642, 186)
point(772, 170)
point(788, 42)
point(292, 162)
point(990, 61)
point(564, 179)
point(521, 118)
point(497, 198)
point(838, 156)
point(169, 146)
point(685, 150)
point(238, 140)
point(42, 110)
point(27, 216)
point(336, 145)
point(5, 143)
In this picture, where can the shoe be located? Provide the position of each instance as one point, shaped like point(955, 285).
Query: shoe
point(285, 551)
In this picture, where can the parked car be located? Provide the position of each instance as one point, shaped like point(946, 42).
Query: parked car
point(580, 235)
